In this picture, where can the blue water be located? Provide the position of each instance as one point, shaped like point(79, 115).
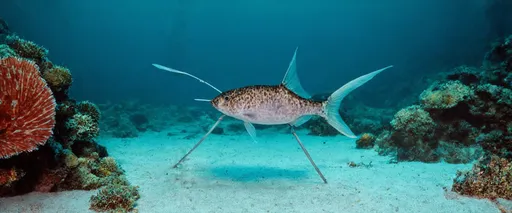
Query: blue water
point(109, 46)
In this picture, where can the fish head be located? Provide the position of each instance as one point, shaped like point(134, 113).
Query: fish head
point(226, 102)
point(233, 102)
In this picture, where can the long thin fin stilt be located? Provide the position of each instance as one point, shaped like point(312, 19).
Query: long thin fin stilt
point(202, 99)
point(332, 105)
point(185, 73)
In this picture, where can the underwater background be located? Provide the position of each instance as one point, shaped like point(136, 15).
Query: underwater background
point(434, 132)
point(238, 43)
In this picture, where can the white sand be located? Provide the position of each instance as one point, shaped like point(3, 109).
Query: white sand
point(233, 174)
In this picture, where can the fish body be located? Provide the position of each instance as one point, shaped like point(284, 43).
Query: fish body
point(266, 104)
point(286, 103)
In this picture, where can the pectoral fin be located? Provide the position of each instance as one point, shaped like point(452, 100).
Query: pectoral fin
point(251, 130)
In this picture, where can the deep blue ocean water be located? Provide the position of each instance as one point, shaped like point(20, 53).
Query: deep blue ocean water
point(109, 46)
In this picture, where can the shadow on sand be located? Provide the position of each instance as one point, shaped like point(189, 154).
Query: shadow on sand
point(243, 173)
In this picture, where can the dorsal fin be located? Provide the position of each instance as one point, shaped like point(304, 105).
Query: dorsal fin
point(291, 79)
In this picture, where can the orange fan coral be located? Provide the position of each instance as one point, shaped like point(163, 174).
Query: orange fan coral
point(27, 107)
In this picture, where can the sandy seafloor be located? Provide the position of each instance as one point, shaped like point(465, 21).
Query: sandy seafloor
point(231, 173)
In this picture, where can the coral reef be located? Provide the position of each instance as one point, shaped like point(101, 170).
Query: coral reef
point(76, 122)
point(91, 172)
point(464, 116)
point(27, 115)
point(82, 127)
point(90, 109)
point(47, 139)
point(458, 118)
point(445, 95)
point(366, 141)
point(59, 79)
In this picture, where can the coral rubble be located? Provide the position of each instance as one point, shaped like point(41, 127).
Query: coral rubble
point(47, 139)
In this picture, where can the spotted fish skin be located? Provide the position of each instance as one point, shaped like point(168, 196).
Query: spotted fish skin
point(266, 104)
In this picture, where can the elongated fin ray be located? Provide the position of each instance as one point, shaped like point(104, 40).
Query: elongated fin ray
point(201, 99)
point(291, 80)
point(185, 73)
point(200, 141)
point(332, 105)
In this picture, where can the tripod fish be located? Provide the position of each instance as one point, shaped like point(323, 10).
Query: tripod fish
point(286, 103)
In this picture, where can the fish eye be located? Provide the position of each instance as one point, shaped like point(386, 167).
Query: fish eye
point(226, 98)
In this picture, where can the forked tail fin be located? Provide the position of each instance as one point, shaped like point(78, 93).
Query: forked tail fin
point(332, 104)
